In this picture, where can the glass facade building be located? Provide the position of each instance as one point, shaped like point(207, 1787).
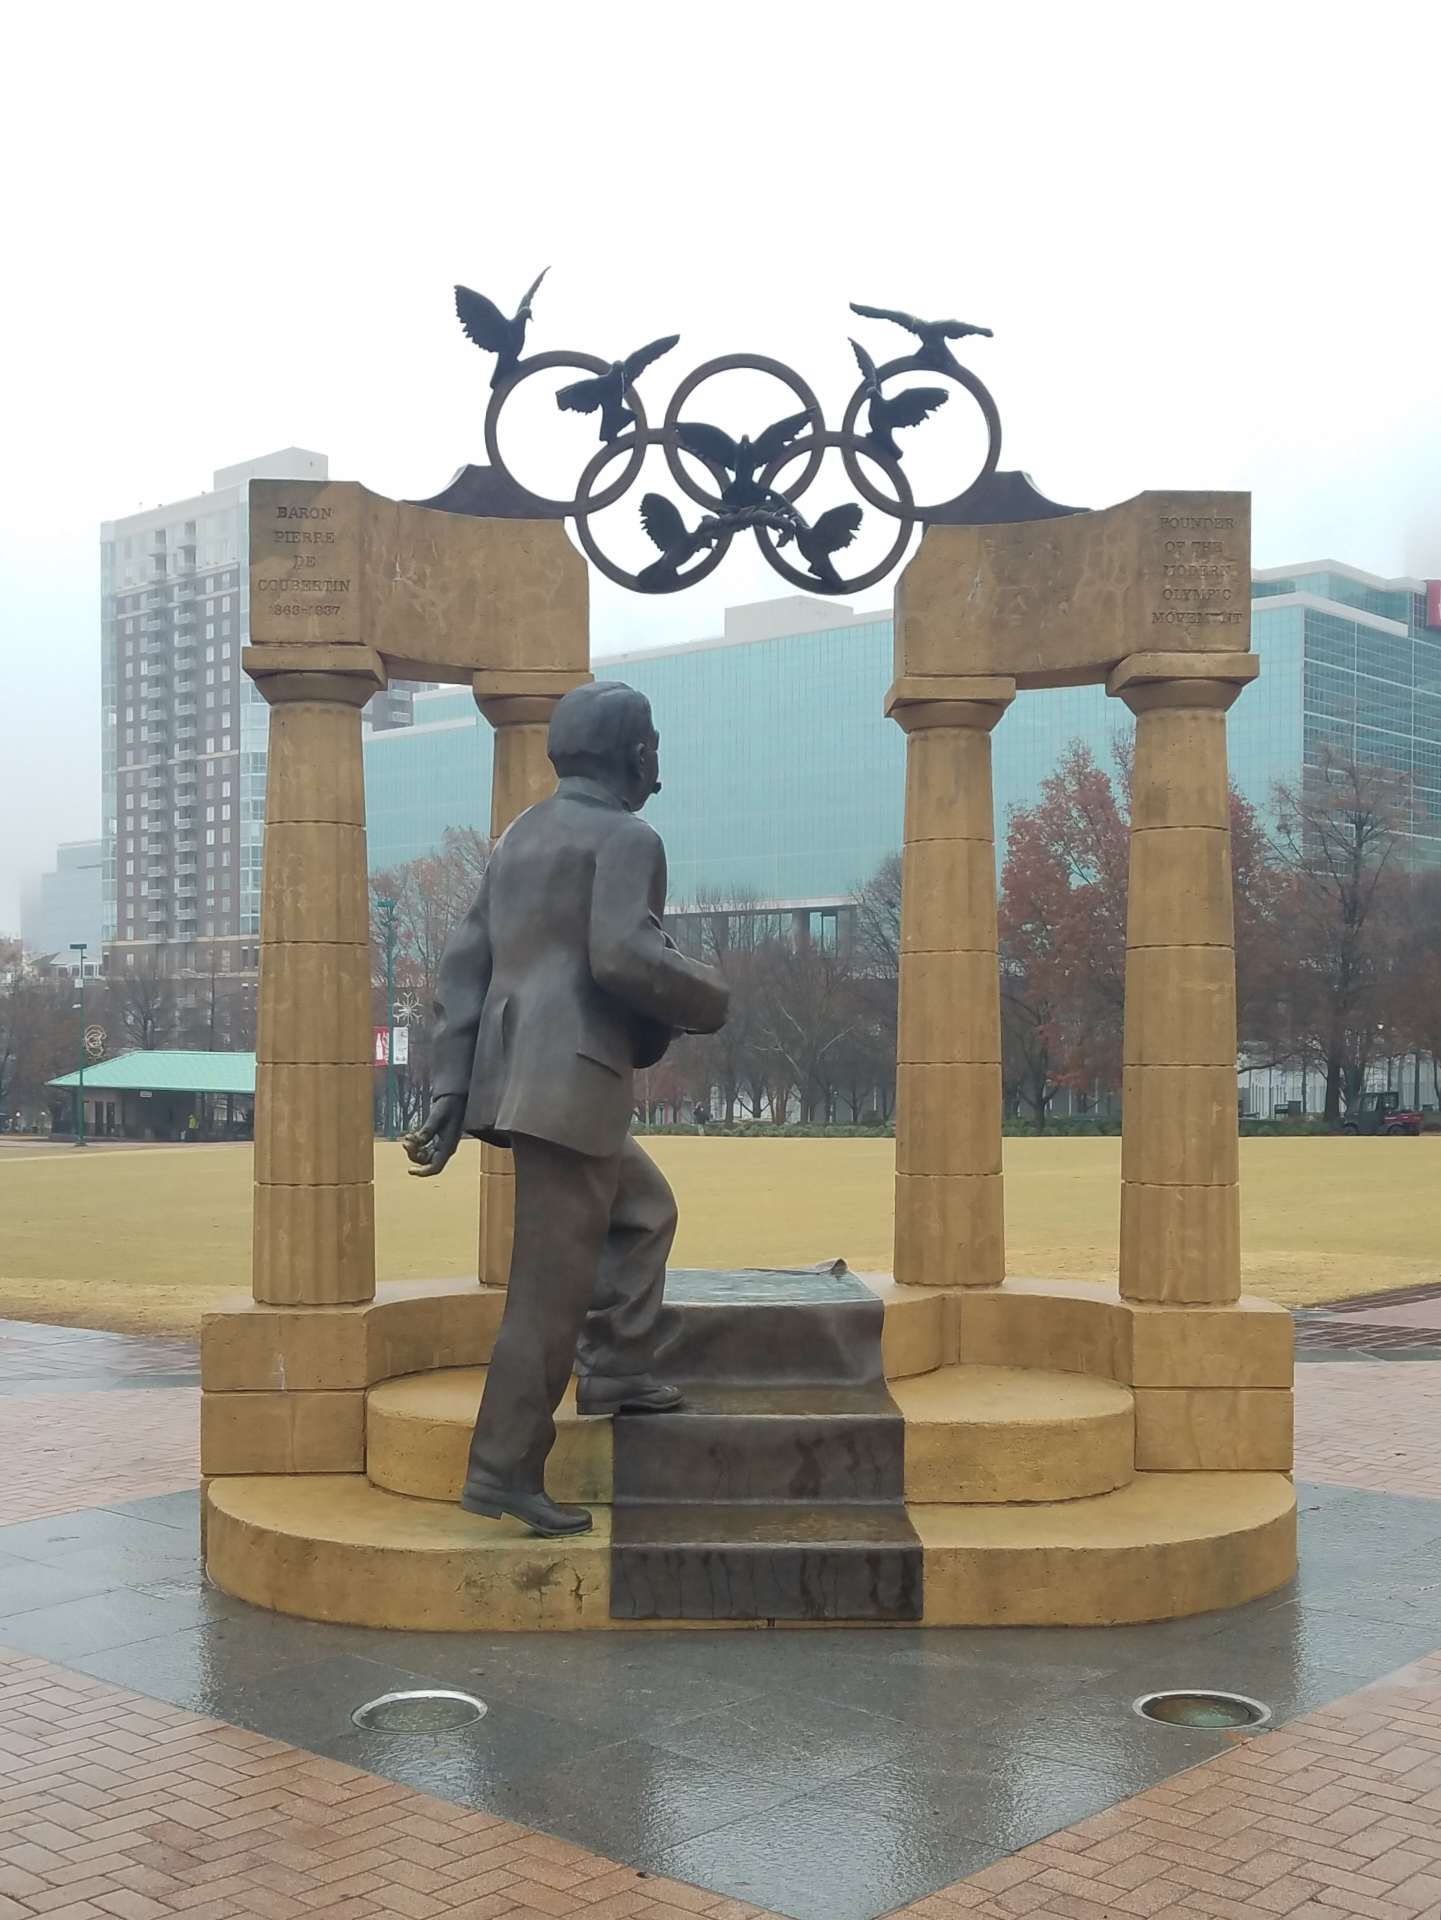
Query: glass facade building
point(784, 782)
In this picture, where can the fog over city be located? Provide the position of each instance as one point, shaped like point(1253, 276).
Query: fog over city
point(1204, 240)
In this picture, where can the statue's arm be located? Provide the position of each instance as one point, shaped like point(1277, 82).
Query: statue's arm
point(460, 990)
point(631, 956)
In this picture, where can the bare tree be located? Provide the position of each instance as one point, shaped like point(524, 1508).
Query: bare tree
point(142, 1003)
point(1339, 836)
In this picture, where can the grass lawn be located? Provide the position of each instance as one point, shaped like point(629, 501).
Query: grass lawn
point(145, 1239)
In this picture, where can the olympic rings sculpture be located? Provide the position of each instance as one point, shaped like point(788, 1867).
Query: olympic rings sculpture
point(745, 473)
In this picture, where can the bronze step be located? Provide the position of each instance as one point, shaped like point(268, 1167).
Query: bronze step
point(809, 1561)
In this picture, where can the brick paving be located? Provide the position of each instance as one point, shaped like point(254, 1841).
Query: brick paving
point(1377, 1427)
point(1337, 1814)
point(85, 1450)
point(115, 1807)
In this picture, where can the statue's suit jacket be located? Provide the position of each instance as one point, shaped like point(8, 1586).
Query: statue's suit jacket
point(561, 979)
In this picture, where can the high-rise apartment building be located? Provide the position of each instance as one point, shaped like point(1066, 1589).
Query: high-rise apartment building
point(183, 731)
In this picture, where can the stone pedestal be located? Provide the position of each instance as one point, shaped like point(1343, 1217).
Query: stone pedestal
point(518, 704)
point(949, 1208)
point(1180, 1198)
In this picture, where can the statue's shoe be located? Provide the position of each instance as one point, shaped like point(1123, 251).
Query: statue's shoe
point(606, 1393)
point(535, 1510)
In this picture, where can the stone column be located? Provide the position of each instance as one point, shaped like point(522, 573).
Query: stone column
point(314, 1113)
point(518, 705)
point(950, 1228)
point(1180, 1198)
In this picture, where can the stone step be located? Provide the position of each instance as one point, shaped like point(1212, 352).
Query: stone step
point(972, 1434)
point(805, 1560)
point(334, 1547)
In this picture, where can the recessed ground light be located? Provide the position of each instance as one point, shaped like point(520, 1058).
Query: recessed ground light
point(1198, 1707)
point(428, 1710)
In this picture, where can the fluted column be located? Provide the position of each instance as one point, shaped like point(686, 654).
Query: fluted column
point(950, 1222)
point(518, 705)
point(314, 1115)
point(1180, 1197)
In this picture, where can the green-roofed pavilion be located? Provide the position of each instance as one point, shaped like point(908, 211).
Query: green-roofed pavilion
point(151, 1094)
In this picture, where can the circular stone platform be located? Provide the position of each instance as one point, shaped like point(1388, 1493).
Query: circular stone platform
point(333, 1547)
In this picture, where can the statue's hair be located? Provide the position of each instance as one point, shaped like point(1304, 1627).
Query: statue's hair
point(598, 724)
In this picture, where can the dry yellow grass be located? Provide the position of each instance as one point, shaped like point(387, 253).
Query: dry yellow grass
point(146, 1240)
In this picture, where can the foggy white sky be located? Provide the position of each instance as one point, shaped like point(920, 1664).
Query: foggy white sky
point(1205, 237)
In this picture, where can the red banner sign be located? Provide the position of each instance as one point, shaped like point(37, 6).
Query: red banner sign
point(1433, 603)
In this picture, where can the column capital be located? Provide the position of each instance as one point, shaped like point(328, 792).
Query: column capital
point(523, 696)
point(1209, 681)
point(917, 701)
point(340, 675)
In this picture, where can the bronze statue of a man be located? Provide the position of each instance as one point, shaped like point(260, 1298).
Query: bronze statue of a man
point(559, 983)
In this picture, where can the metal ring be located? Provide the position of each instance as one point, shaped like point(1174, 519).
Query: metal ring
point(543, 363)
point(734, 363)
point(635, 443)
point(978, 392)
point(902, 509)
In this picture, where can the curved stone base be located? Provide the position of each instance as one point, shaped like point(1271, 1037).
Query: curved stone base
point(333, 1547)
point(973, 1433)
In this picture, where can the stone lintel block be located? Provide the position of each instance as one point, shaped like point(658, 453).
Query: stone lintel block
point(409, 1327)
point(1214, 1429)
point(1065, 1326)
point(1179, 1126)
point(314, 766)
point(525, 683)
point(327, 657)
point(1180, 1245)
point(314, 1246)
point(1140, 669)
point(1180, 893)
point(950, 1230)
point(315, 884)
point(950, 1009)
point(1061, 601)
point(948, 1119)
point(314, 1004)
point(948, 897)
point(1248, 1343)
point(948, 786)
point(938, 689)
point(1180, 1007)
point(314, 1125)
point(497, 1228)
point(317, 1432)
point(1178, 774)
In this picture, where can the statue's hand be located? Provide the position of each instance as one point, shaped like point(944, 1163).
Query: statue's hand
point(438, 1135)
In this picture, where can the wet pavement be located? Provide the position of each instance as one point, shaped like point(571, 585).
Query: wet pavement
point(824, 1775)
point(43, 1359)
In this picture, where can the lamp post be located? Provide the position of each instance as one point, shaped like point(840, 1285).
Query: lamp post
point(78, 947)
point(387, 909)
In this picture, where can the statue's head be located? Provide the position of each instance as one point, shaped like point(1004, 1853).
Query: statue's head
point(605, 732)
